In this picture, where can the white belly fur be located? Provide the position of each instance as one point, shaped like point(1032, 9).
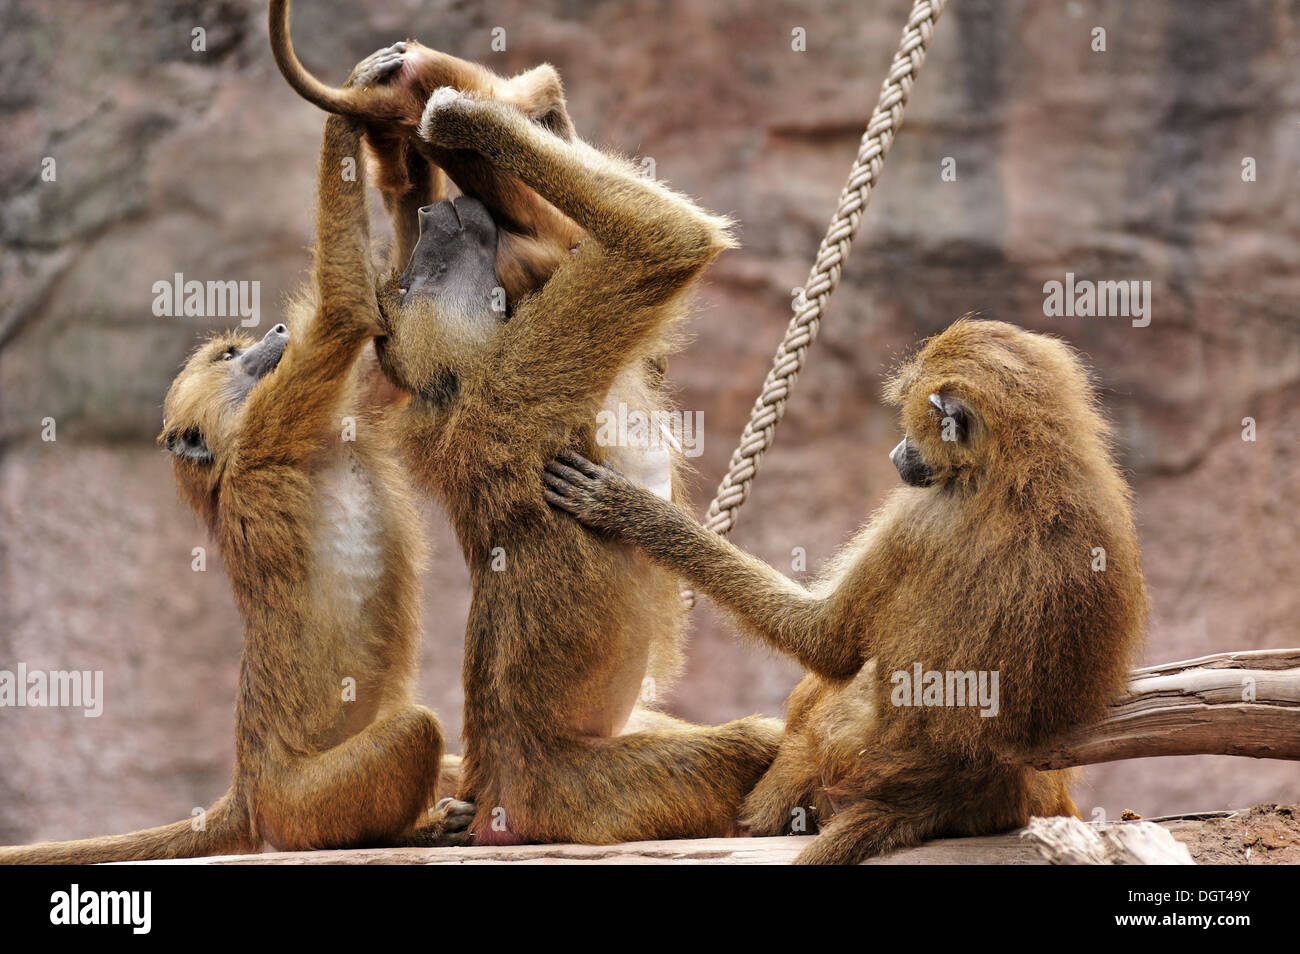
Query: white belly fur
point(647, 464)
point(349, 554)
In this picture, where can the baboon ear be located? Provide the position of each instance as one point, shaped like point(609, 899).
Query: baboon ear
point(951, 407)
point(189, 444)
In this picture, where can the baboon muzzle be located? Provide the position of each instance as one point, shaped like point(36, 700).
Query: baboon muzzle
point(458, 241)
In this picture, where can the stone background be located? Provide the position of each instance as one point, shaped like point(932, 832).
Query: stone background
point(1123, 164)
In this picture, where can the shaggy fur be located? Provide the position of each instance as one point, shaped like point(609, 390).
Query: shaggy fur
point(988, 567)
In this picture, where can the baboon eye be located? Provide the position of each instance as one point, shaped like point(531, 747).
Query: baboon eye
point(229, 353)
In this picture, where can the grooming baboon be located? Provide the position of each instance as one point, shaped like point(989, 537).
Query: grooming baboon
point(1012, 550)
point(563, 628)
point(280, 449)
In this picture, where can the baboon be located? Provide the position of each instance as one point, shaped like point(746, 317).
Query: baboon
point(1011, 550)
point(533, 236)
point(563, 628)
point(281, 449)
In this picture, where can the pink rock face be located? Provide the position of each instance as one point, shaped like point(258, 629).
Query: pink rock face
point(1126, 164)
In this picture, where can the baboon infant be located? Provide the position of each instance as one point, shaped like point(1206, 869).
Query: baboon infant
point(1011, 553)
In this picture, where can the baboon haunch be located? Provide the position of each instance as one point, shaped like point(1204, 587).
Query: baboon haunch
point(562, 627)
point(320, 537)
point(989, 561)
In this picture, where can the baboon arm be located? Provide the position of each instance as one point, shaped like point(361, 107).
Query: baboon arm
point(786, 615)
point(427, 184)
point(295, 407)
point(644, 245)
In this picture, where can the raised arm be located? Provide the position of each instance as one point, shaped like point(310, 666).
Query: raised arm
point(601, 308)
point(786, 615)
point(297, 408)
point(627, 214)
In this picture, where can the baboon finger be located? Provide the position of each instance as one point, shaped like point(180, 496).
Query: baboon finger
point(559, 500)
point(456, 815)
point(570, 476)
point(577, 461)
point(558, 484)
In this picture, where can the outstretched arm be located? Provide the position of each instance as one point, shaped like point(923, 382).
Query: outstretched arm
point(295, 410)
point(782, 612)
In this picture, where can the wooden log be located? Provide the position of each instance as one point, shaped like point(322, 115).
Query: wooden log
point(991, 849)
point(1245, 703)
point(1068, 841)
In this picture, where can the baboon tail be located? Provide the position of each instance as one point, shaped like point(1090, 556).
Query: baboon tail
point(859, 832)
point(329, 98)
point(226, 831)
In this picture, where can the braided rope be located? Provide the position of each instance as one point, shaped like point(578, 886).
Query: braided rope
point(883, 126)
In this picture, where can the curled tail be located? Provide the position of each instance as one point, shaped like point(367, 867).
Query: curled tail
point(329, 98)
point(226, 831)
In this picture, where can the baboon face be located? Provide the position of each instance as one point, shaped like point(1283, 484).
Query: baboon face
point(447, 305)
point(203, 406)
point(953, 426)
point(986, 394)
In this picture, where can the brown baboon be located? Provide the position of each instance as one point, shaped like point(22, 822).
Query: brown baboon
point(1011, 551)
point(533, 236)
point(280, 449)
point(563, 628)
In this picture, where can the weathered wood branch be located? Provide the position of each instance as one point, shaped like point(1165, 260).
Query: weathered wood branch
point(1068, 841)
point(1245, 703)
point(1267, 834)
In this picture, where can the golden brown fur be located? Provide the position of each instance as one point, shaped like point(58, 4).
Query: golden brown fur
point(321, 540)
point(535, 236)
point(563, 629)
point(987, 567)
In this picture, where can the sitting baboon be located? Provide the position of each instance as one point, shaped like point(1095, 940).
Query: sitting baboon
point(281, 449)
point(1010, 555)
point(563, 628)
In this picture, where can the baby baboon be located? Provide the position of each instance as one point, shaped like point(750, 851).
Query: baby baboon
point(533, 236)
point(280, 451)
point(563, 627)
point(1011, 551)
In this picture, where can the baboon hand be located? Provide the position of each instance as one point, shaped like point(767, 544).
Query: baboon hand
point(448, 118)
point(592, 493)
point(378, 66)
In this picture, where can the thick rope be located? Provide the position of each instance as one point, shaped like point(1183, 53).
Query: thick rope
point(883, 126)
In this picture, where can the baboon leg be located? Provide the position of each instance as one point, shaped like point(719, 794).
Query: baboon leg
point(426, 184)
point(682, 783)
point(362, 791)
point(772, 808)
